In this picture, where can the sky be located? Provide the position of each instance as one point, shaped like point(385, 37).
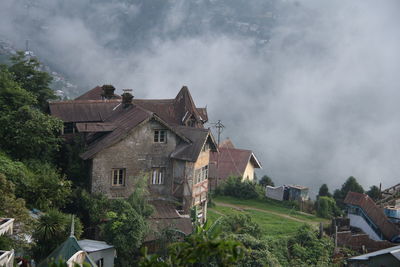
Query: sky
point(312, 87)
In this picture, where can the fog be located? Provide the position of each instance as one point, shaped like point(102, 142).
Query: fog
point(310, 86)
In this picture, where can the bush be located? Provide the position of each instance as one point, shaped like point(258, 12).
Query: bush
point(236, 188)
point(241, 224)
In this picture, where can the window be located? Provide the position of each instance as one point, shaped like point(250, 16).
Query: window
point(160, 136)
point(118, 177)
point(68, 128)
point(201, 174)
point(157, 176)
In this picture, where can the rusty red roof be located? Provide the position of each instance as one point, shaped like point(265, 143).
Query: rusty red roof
point(198, 137)
point(374, 212)
point(83, 110)
point(164, 217)
point(90, 127)
point(231, 162)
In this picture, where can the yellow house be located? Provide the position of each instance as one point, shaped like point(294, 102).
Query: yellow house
point(231, 161)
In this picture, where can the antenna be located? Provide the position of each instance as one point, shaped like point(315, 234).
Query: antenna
point(220, 128)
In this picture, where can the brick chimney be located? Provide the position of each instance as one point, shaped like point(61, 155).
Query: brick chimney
point(108, 91)
point(127, 98)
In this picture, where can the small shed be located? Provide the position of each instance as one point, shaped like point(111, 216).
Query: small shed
point(100, 252)
point(297, 192)
point(275, 192)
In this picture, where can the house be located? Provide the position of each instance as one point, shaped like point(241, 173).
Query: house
point(287, 192)
point(385, 258)
point(100, 252)
point(370, 218)
point(231, 161)
point(6, 257)
point(163, 140)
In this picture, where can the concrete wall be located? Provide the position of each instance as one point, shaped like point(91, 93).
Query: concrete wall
point(249, 172)
point(359, 222)
point(137, 153)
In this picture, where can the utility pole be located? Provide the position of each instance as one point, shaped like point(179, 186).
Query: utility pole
point(220, 128)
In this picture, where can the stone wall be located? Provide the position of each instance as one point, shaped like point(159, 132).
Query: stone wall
point(137, 153)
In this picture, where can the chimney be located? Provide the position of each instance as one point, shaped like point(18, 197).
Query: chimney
point(108, 91)
point(127, 98)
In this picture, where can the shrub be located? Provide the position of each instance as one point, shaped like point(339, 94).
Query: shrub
point(326, 207)
point(235, 187)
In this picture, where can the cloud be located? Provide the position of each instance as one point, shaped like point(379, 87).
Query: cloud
point(311, 87)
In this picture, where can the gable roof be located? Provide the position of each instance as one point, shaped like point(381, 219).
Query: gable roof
point(231, 162)
point(376, 214)
point(198, 137)
point(65, 251)
point(83, 110)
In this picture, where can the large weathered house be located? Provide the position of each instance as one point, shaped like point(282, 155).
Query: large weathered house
point(126, 138)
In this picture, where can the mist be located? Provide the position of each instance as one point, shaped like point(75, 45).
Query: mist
point(310, 86)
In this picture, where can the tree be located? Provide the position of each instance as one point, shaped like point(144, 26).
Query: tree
point(266, 180)
point(236, 188)
point(25, 131)
point(374, 192)
point(351, 185)
point(324, 191)
point(326, 207)
point(26, 72)
point(51, 230)
point(204, 247)
point(125, 229)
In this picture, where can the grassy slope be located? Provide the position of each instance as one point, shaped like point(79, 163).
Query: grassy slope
point(274, 218)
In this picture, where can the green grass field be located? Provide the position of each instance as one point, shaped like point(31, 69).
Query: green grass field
point(274, 218)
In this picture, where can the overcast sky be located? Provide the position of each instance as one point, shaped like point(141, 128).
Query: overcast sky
point(317, 101)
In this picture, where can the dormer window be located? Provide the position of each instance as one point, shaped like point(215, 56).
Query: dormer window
point(160, 136)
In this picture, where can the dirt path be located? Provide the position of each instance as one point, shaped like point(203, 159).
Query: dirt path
point(243, 208)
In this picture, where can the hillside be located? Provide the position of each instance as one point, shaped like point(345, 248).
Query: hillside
point(273, 217)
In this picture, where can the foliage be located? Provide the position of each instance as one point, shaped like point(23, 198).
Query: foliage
point(62, 263)
point(204, 247)
point(305, 248)
point(240, 224)
point(324, 191)
point(14, 207)
point(48, 188)
point(374, 192)
point(26, 132)
point(351, 185)
point(235, 187)
point(266, 180)
point(326, 207)
point(38, 183)
point(140, 196)
point(51, 230)
point(26, 72)
point(71, 164)
point(125, 229)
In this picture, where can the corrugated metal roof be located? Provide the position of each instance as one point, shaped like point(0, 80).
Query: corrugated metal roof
point(376, 214)
point(198, 137)
point(88, 127)
point(83, 111)
point(94, 94)
point(364, 257)
point(93, 245)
